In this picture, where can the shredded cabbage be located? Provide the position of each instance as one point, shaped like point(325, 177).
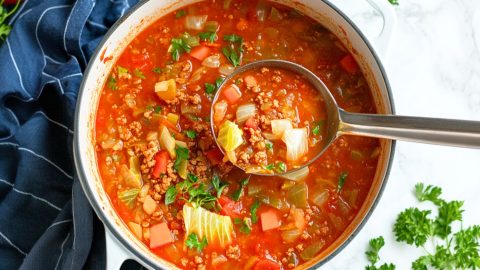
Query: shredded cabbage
point(244, 112)
point(297, 175)
point(216, 228)
point(296, 140)
point(230, 136)
point(279, 126)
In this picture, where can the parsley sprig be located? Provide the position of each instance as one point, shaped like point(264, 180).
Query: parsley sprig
point(5, 28)
point(414, 226)
point(375, 245)
point(193, 242)
point(234, 51)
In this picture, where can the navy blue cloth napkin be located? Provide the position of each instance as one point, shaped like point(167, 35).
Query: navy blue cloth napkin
point(45, 220)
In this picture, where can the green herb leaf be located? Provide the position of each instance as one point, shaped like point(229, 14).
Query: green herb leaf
point(177, 47)
point(280, 167)
point(112, 83)
point(137, 72)
point(200, 196)
point(341, 181)
point(182, 154)
point(218, 185)
point(269, 167)
point(192, 134)
point(4, 14)
point(193, 242)
point(394, 2)
point(157, 70)
point(170, 195)
point(157, 109)
point(218, 82)
point(180, 13)
point(233, 38)
point(253, 210)
point(210, 36)
point(268, 145)
point(428, 193)
point(128, 196)
point(375, 245)
point(192, 178)
point(448, 212)
point(318, 127)
point(238, 193)
point(121, 70)
point(245, 225)
point(413, 226)
point(232, 56)
point(210, 89)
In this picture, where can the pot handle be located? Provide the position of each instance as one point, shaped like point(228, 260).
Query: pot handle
point(382, 41)
point(116, 253)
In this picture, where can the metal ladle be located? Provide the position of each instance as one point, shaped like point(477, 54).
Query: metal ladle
point(459, 133)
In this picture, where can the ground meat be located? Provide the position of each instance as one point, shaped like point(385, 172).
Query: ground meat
point(260, 157)
point(195, 99)
point(233, 252)
point(121, 120)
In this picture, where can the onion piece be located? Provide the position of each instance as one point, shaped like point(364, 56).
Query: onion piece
point(297, 175)
point(195, 22)
point(319, 198)
point(220, 110)
point(269, 136)
point(213, 61)
point(298, 195)
point(279, 126)
point(290, 236)
point(197, 75)
point(245, 111)
point(193, 109)
point(296, 140)
point(226, 69)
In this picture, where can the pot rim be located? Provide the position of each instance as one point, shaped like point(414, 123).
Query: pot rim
point(88, 190)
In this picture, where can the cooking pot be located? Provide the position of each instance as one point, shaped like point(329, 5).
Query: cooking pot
point(121, 244)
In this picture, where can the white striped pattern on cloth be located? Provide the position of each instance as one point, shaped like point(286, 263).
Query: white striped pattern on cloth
point(30, 194)
point(12, 244)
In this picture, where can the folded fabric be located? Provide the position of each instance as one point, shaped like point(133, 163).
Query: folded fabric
point(46, 221)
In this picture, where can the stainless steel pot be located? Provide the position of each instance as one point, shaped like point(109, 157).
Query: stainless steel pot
point(121, 243)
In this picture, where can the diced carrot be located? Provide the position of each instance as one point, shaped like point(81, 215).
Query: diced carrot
point(161, 159)
point(242, 24)
point(349, 64)
point(160, 235)
point(251, 123)
point(136, 229)
point(149, 205)
point(229, 207)
point(232, 93)
point(250, 81)
point(269, 220)
point(215, 156)
point(200, 52)
point(266, 264)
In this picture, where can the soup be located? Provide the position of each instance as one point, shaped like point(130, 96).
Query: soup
point(173, 187)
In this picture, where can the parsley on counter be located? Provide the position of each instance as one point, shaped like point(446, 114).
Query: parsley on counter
point(4, 14)
point(443, 247)
point(394, 2)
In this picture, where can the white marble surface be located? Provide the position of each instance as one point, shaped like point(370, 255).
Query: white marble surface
point(434, 71)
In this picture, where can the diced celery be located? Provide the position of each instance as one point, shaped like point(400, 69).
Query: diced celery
point(167, 142)
point(312, 250)
point(212, 26)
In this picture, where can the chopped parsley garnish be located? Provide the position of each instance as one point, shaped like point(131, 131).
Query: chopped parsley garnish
point(269, 167)
point(128, 196)
point(245, 225)
point(177, 47)
point(443, 248)
point(200, 195)
point(157, 70)
point(170, 195)
point(137, 72)
point(5, 28)
point(210, 36)
point(281, 167)
point(218, 185)
point(341, 181)
point(269, 145)
point(210, 89)
point(192, 242)
point(233, 52)
point(318, 127)
point(394, 2)
point(121, 70)
point(180, 13)
point(182, 154)
point(238, 193)
point(192, 178)
point(157, 109)
point(232, 56)
point(253, 211)
point(112, 83)
point(219, 82)
point(192, 134)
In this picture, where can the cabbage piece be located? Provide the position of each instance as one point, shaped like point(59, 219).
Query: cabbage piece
point(220, 110)
point(230, 136)
point(245, 111)
point(296, 140)
point(297, 175)
point(167, 142)
point(132, 176)
point(279, 126)
point(213, 61)
point(216, 228)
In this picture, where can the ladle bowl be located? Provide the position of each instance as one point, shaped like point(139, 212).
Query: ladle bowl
point(460, 133)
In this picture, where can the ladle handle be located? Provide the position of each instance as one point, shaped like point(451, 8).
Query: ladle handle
point(460, 133)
